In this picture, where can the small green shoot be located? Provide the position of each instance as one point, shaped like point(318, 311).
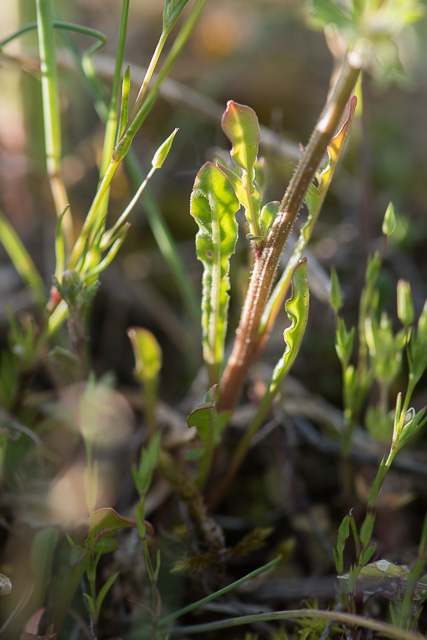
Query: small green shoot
point(148, 362)
point(209, 425)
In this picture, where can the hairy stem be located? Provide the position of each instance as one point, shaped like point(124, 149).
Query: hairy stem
point(267, 256)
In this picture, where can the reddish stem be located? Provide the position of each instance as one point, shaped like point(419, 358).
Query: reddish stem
point(267, 255)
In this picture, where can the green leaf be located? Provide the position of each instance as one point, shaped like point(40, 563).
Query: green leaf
point(22, 261)
point(297, 311)
point(343, 534)
point(171, 12)
point(389, 222)
point(326, 12)
point(143, 474)
point(147, 353)
point(366, 529)
point(336, 296)
point(240, 125)
point(106, 522)
point(385, 348)
point(124, 107)
point(418, 349)
point(268, 213)
point(162, 152)
point(213, 206)
point(78, 554)
point(405, 305)
point(314, 200)
point(208, 422)
point(344, 341)
point(104, 590)
point(296, 308)
point(367, 554)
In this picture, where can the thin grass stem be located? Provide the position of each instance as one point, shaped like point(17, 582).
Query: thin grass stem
point(51, 112)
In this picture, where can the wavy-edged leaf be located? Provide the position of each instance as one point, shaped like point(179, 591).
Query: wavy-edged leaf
point(213, 206)
point(296, 308)
point(314, 200)
point(240, 125)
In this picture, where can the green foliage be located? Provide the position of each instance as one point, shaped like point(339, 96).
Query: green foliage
point(296, 308)
point(405, 305)
point(213, 206)
point(171, 12)
point(240, 125)
point(219, 191)
point(209, 424)
point(389, 222)
point(343, 534)
point(143, 474)
point(385, 348)
point(148, 362)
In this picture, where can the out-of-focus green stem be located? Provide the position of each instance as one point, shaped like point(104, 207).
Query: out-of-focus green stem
point(111, 123)
point(179, 42)
point(51, 112)
point(92, 215)
point(148, 75)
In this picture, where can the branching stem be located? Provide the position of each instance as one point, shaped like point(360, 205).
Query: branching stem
point(268, 255)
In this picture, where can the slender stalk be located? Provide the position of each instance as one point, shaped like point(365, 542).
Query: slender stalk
point(111, 123)
point(92, 214)
point(51, 111)
point(136, 120)
point(212, 596)
point(383, 628)
point(149, 74)
point(267, 257)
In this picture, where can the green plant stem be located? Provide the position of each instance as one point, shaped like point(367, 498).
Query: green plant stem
point(242, 448)
point(347, 619)
point(267, 257)
point(217, 594)
point(111, 122)
point(22, 261)
point(253, 218)
point(149, 74)
point(92, 215)
point(51, 112)
point(414, 576)
point(136, 121)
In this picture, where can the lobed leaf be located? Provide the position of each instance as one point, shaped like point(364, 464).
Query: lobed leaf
point(297, 310)
point(314, 200)
point(213, 206)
